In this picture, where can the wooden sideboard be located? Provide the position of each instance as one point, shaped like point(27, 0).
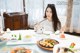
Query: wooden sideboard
point(15, 21)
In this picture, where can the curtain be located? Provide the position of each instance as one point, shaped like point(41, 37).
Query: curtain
point(34, 9)
point(14, 5)
point(2, 9)
point(75, 21)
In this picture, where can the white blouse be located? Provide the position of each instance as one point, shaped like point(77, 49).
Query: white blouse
point(44, 25)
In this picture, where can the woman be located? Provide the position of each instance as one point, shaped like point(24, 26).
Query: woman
point(50, 22)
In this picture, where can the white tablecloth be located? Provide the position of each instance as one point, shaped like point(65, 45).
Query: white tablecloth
point(35, 37)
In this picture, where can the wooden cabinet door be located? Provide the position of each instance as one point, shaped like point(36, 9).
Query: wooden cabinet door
point(17, 22)
point(8, 22)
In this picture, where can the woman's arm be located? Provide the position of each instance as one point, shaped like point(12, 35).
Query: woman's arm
point(39, 26)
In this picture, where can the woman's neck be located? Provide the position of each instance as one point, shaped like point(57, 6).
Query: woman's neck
point(49, 20)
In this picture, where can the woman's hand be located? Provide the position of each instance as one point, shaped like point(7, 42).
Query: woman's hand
point(37, 27)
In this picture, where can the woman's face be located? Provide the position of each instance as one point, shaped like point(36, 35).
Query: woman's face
point(49, 14)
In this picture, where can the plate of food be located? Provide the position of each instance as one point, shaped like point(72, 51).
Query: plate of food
point(47, 44)
point(20, 50)
point(66, 48)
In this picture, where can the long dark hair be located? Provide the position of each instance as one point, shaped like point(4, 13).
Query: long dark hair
point(55, 21)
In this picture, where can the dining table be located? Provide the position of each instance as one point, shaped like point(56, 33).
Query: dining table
point(31, 43)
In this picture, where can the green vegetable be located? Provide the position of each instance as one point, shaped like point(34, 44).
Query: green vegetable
point(52, 43)
point(19, 37)
point(71, 46)
point(14, 35)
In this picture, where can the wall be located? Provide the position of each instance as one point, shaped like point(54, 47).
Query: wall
point(0, 22)
point(34, 8)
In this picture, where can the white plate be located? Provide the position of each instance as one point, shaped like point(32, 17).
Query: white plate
point(33, 51)
point(20, 42)
point(76, 49)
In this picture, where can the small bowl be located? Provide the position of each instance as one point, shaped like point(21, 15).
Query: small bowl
point(27, 39)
